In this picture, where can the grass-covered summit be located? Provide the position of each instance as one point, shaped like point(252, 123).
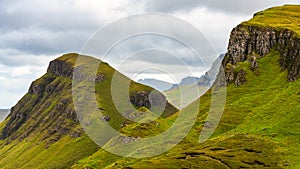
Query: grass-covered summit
point(282, 17)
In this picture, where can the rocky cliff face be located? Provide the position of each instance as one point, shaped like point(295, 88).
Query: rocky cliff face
point(64, 69)
point(47, 108)
point(61, 68)
point(247, 41)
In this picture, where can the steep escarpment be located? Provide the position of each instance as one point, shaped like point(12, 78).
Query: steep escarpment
point(48, 105)
point(47, 108)
point(45, 117)
point(251, 40)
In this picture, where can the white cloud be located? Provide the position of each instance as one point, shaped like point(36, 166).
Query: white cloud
point(20, 71)
point(227, 6)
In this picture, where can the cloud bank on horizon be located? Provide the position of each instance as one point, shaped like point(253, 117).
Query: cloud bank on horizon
point(35, 32)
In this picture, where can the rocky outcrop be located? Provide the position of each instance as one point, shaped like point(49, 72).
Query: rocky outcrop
point(14, 123)
point(64, 69)
point(60, 68)
point(141, 99)
point(238, 77)
point(246, 41)
point(153, 100)
point(39, 86)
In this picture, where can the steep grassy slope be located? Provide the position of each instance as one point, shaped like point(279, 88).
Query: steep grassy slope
point(259, 128)
point(43, 131)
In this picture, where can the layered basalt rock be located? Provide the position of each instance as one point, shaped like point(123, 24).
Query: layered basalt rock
point(248, 41)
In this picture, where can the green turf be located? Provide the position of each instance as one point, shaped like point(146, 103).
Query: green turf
point(283, 17)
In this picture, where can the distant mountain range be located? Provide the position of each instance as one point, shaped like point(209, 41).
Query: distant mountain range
point(157, 84)
point(3, 114)
point(204, 80)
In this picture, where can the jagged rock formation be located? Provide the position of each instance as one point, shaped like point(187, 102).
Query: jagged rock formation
point(247, 41)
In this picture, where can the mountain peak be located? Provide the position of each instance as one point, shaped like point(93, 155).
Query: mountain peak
point(63, 66)
point(48, 107)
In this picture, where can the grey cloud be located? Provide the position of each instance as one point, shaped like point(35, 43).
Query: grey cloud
point(38, 41)
point(14, 58)
point(153, 31)
point(170, 5)
point(46, 27)
point(156, 49)
point(228, 6)
point(166, 58)
point(243, 7)
point(60, 16)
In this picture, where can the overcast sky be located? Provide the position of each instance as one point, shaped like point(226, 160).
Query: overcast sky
point(34, 32)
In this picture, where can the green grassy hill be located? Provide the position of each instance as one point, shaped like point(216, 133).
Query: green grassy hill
point(43, 131)
point(259, 127)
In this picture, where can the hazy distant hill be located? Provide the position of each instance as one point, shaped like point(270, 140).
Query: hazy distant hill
point(3, 114)
point(157, 84)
